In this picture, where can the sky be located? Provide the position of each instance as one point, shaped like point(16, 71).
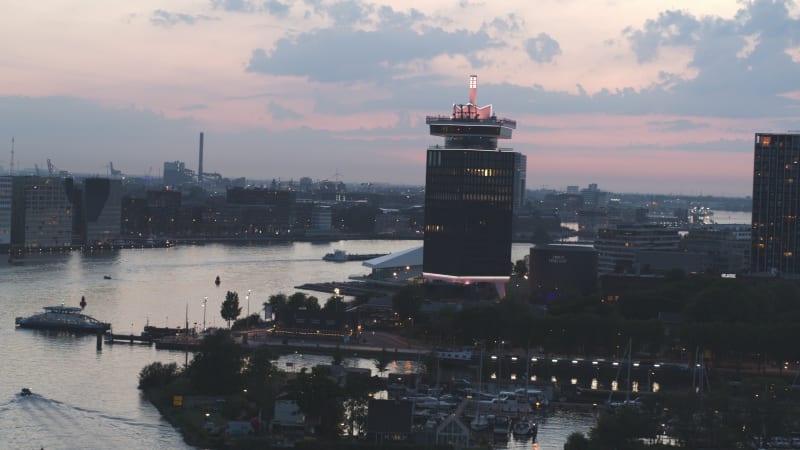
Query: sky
point(635, 95)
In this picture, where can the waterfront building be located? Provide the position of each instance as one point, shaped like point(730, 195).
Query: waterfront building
point(775, 241)
point(5, 211)
point(41, 214)
point(98, 210)
point(617, 246)
point(402, 266)
point(262, 210)
point(321, 218)
point(469, 196)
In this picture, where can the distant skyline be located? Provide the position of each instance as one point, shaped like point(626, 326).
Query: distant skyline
point(635, 95)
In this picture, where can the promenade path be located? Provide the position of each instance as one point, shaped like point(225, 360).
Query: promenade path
point(375, 343)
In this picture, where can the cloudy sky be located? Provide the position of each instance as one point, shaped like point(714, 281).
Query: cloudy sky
point(635, 95)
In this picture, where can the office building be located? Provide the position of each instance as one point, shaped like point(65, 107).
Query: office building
point(775, 239)
point(619, 247)
point(41, 214)
point(469, 196)
point(556, 269)
point(101, 210)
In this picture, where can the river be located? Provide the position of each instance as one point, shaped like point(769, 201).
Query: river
point(87, 398)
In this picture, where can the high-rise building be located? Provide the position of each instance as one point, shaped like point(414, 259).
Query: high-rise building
point(470, 192)
point(776, 201)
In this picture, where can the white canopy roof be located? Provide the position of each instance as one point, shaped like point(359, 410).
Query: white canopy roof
point(409, 257)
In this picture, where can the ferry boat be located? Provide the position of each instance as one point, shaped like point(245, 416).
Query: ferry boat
point(343, 256)
point(65, 318)
point(336, 256)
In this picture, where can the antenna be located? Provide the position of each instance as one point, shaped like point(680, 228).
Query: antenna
point(11, 170)
point(473, 89)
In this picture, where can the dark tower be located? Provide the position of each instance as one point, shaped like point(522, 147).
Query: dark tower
point(200, 163)
point(776, 203)
point(469, 196)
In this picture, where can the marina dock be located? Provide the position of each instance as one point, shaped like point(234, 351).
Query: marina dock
point(111, 338)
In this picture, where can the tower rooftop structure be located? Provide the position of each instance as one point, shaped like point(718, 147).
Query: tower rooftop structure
point(471, 126)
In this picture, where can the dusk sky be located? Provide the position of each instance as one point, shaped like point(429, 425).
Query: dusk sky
point(635, 95)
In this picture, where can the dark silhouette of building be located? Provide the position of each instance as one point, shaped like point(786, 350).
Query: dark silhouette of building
point(776, 200)
point(555, 269)
point(469, 196)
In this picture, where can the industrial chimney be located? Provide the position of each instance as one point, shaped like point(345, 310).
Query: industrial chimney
point(200, 164)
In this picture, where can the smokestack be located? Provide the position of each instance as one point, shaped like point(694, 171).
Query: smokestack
point(200, 164)
point(473, 89)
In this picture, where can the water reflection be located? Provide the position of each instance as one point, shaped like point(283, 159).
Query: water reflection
point(295, 362)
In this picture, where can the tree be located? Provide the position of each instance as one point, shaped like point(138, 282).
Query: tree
point(277, 301)
point(520, 268)
point(383, 360)
point(217, 366)
point(408, 301)
point(158, 374)
point(300, 300)
point(230, 307)
point(576, 441)
point(334, 305)
point(318, 397)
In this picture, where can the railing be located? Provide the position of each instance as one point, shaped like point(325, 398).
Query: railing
point(494, 120)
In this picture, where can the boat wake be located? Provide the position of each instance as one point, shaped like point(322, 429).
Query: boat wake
point(70, 425)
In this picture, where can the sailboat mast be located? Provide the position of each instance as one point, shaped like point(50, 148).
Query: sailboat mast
point(630, 351)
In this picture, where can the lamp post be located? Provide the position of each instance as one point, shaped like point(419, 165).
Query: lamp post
point(248, 303)
point(205, 300)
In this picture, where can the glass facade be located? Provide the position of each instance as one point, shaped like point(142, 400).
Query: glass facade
point(468, 202)
point(471, 188)
point(776, 201)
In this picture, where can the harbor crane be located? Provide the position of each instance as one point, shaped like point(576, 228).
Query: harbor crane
point(113, 172)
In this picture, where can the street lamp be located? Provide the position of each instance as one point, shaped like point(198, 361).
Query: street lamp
point(205, 300)
point(248, 303)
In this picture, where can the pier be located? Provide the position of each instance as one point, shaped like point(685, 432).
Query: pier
point(112, 338)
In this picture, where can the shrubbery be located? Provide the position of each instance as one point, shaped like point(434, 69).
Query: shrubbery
point(157, 375)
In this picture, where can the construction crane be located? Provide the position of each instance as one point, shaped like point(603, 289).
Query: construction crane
point(11, 171)
point(112, 171)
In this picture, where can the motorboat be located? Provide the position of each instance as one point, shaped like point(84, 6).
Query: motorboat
point(479, 423)
point(65, 318)
point(525, 427)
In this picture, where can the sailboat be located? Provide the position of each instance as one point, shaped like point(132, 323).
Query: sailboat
point(628, 386)
point(479, 423)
